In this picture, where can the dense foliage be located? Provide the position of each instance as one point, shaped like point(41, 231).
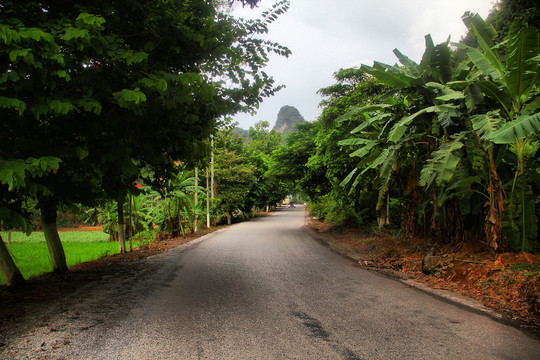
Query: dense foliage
point(98, 95)
point(111, 108)
point(442, 149)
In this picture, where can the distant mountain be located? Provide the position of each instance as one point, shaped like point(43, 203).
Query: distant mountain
point(288, 116)
point(242, 132)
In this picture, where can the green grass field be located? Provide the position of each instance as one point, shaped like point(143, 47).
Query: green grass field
point(32, 257)
point(68, 236)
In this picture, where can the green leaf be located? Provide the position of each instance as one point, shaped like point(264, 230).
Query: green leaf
point(448, 93)
point(82, 153)
point(408, 63)
point(473, 97)
point(426, 57)
point(377, 161)
point(127, 96)
point(8, 35)
point(74, 33)
point(349, 177)
point(519, 219)
point(399, 129)
point(90, 105)
point(363, 151)
point(484, 32)
point(353, 141)
point(523, 73)
point(487, 124)
point(63, 74)
point(61, 107)
point(532, 107)
point(90, 20)
point(390, 75)
point(10, 103)
point(456, 95)
point(131, 57)
point(387, 168)
point(521, 128)
point(441, 63)
point(370, 121)
point(442, 165)
point(360, 110)
point(499, 93)
point(485, 64)
point(17, 53)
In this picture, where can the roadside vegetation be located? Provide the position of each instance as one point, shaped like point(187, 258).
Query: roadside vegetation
point(131, 134)
point(101, 120)
point(431, 168)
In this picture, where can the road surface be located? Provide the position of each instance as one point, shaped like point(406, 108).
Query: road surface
point(266, 290)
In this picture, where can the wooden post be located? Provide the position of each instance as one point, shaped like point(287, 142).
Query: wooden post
point(212, 169)
point(130, 234)
point(196, 221)
point(207, 202)
point(121, 234)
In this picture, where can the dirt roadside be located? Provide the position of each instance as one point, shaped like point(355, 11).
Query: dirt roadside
point(508, 285)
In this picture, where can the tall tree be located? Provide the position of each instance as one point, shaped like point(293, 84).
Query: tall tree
point(234, 174)
point(330, 162)
point(80, 86)
point(261, 143)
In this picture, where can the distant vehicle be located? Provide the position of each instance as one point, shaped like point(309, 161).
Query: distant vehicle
point(292, 205)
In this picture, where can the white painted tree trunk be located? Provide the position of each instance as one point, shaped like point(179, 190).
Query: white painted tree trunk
point(10, 271)
point(121, 235)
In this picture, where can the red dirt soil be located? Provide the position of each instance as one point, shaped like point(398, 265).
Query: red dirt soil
point(82, 228)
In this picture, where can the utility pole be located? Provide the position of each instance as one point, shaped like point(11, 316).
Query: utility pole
point(207, 202)
point(196, 222)
point(212, 185)
point(212, 167)
point(130, 234)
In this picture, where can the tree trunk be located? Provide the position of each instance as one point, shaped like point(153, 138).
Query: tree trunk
point(130, 234)
point(121, 236)
point(9, 237)
point(229, 218)
point(495, 208)
point(48, 207)
point(10, 271)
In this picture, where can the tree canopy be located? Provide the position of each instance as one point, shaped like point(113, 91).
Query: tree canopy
point(109, 89)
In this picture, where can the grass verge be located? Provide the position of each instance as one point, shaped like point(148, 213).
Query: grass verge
point(67, 236)
point(32, 256)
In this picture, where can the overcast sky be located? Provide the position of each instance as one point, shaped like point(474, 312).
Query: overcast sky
point(326, 35)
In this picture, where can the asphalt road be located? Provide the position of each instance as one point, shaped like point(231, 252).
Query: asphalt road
point(266, 290)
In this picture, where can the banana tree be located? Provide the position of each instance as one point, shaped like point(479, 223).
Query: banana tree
point(397, 137)
point(177, 202)
point(508, 74)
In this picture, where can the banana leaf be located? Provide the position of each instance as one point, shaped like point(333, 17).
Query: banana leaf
point(521, 128)
point(519, 219)
point(523, 73)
